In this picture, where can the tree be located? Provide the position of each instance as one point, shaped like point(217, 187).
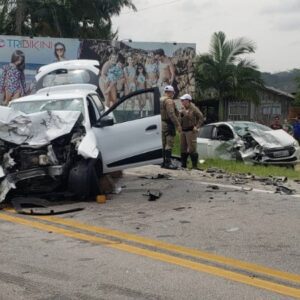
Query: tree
point(224, 74)
point(61, 18)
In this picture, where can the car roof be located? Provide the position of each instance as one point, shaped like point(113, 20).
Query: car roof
point(85, 64)
point(60, 92)
point(232, 123)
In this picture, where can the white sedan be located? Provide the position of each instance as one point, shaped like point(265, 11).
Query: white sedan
point(247, 141)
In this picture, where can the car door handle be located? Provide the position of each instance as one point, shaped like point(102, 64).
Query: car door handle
point(151, 127)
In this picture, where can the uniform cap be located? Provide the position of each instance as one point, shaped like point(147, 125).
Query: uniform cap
point(186, 97)
point(169, 88)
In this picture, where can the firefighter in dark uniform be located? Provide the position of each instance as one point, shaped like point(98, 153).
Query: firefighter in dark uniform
point(191, 119)
point(169, 124)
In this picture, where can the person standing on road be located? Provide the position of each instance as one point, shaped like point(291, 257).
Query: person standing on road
point(169, 123)
point(191, 120)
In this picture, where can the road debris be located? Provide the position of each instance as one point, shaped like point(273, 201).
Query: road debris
point(233, 229)
point(246, 189)
point(158, 176)
point(153, 195)
point(179, 208)
point(101, 199)
point(38, 207)
point(236, 180)
point(281, 189)
point(215, 170)
point(213, 187)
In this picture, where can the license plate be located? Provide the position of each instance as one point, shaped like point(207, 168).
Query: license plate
point(281, 153)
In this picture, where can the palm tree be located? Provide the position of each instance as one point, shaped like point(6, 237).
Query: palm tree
point(224, 74)
point(61, 18)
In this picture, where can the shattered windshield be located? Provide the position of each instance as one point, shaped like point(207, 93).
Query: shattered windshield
point(28, 107)
point(242, 128)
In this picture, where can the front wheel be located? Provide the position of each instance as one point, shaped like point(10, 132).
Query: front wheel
point(84, 179)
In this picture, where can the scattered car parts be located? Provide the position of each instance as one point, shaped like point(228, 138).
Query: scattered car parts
point(38, 207)
point(153, 195)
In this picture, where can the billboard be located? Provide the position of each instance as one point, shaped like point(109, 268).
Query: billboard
point(125, 66)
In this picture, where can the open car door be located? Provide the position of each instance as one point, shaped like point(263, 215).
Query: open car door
point(133, 138)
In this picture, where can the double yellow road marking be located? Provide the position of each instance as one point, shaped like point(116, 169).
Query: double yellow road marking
point(123, 241)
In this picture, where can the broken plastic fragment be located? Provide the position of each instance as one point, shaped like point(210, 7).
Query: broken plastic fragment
point(281, 189)
point(153, 195)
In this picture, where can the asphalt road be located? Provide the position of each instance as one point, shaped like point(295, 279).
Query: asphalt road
point(204, 238)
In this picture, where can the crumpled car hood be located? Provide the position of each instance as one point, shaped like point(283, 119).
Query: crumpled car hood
point(272, 139)
point(36, 129)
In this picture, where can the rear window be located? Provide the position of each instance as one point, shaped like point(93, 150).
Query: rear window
point(64, 77)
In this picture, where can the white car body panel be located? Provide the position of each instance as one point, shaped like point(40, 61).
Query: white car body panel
point(35, 129)
point(88, 147)
point(125, 140)
point(204, 147)
point(274, 138)
point(2, 174)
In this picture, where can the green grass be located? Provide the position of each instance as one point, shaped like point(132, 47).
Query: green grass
point(240, 167)
point(176, 148)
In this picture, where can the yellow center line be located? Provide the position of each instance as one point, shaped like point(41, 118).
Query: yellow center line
point(177, 249)
point(264, 284)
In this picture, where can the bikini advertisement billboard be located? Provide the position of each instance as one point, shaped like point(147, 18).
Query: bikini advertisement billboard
point(125, 66)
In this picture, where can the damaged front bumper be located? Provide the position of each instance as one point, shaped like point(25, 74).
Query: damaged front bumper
point(9, 182)
point(37, 150)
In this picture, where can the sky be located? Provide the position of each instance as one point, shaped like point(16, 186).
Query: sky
point(274, 26)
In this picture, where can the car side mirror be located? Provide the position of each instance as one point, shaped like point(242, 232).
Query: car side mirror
point(104, 122)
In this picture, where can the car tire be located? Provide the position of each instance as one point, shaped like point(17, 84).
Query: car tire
point(84, 179)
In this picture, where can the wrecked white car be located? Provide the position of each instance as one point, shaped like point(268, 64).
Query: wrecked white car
point(63, 139)
point(247, 141)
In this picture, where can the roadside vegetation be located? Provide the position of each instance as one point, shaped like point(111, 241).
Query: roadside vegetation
point(226, 73)
point(56, 18)
point(258, 170)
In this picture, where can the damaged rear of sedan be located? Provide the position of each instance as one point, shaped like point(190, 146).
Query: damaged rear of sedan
point(62, 139)
point(247, 141)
